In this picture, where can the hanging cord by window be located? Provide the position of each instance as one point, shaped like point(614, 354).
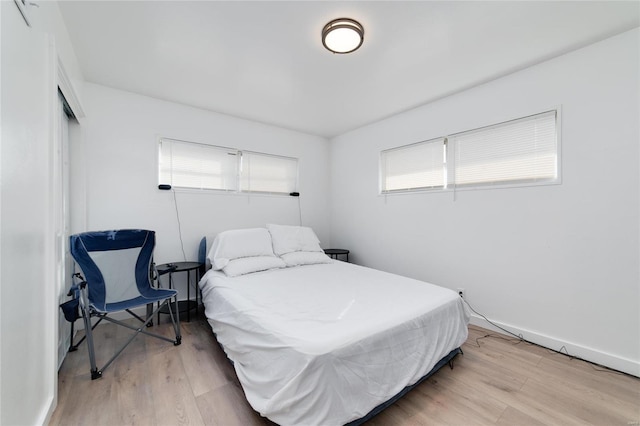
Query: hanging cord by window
point(297, 195)
point(175, 203)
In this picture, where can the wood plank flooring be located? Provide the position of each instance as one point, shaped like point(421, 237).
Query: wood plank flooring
point(495, 382)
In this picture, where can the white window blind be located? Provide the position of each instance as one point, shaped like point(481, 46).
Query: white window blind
point(193, 165)
point(518, 151)
point(413, 167)
point(199, 166)
point(268, 173)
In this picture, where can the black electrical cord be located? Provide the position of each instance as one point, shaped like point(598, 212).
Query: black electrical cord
point(175, 203)
point(520, 339)
point(297, 195)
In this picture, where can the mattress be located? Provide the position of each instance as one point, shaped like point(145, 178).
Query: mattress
point(326, 343)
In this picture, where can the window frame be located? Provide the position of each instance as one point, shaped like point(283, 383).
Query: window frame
point(450, 164)
point(238, 177)
point(231, 151)
point(382, 177)
point(263, 154)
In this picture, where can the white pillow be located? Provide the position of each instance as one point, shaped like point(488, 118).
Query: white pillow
point(247, 265)
point(237, 243)
point(287, 239)
point(296, 258)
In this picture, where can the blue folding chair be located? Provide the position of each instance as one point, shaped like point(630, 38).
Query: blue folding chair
point(118, 273)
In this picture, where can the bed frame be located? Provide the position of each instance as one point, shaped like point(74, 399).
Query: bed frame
point(448, 359)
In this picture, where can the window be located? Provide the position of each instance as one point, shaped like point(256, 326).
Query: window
point(199, 166)
point(520, 152)
point(418, 166)
point(268, 173)
point(192, 165)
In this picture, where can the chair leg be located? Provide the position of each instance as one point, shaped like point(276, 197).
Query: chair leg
point(150, 312)
point(86, 314)
point(141, 330)
point(72, 347)
point(176, 322)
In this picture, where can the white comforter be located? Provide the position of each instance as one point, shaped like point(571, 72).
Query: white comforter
point(324, 344)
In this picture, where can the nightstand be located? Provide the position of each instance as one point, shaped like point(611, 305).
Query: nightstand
point(335, 253)
point(172, 268)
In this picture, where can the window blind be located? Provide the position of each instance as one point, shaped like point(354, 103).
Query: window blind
point(193, 165)
point(268, 173)
point(518, 151)
point(417, 166)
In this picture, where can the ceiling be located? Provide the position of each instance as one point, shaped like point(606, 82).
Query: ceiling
point(264, 60)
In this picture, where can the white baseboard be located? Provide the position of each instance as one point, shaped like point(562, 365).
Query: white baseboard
point(47, 410)
point(615, 362)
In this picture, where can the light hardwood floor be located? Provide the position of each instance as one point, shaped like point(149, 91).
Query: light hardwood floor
point(495, 382)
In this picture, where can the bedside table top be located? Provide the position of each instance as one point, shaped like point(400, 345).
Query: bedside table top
point(179, 266)
point(336, 251)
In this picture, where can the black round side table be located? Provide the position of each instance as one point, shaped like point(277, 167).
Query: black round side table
point(173, 267)
point(335, 253)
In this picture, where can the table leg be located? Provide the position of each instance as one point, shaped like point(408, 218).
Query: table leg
point(188, 296)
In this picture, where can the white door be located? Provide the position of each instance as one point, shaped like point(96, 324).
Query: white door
point(61, 211)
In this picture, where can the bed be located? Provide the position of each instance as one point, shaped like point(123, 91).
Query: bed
point(316, 341)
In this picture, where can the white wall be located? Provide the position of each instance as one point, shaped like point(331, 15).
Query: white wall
point(120, 136)
point(47, 18)
point(558, 263)
point(27, 292)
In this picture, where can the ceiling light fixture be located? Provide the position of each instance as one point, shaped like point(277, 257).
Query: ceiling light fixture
point(343, 35)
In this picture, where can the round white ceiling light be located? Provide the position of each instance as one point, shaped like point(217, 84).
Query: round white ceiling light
point(343, 35)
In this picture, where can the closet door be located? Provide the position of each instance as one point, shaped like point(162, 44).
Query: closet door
point(63, 259)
